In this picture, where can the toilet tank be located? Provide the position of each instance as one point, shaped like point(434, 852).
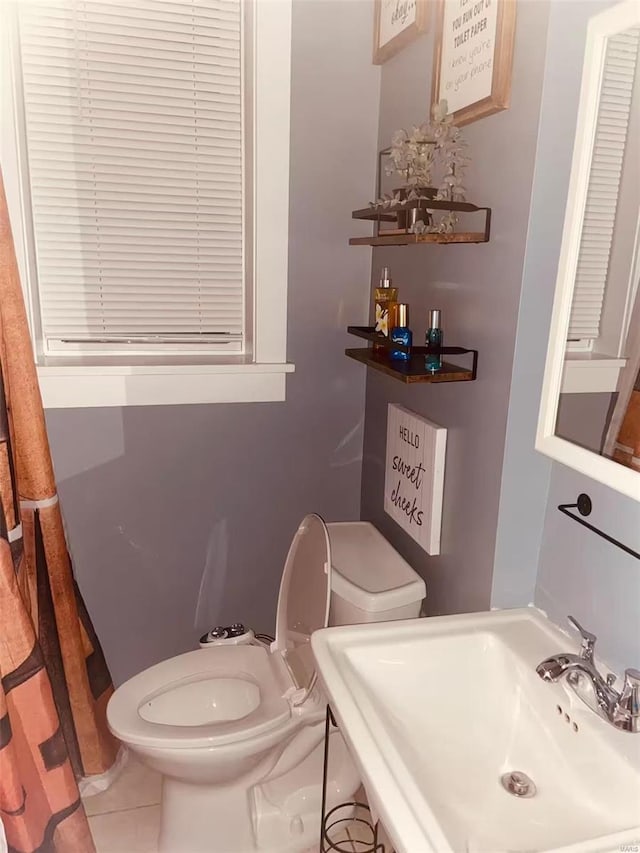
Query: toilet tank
point(370, 581)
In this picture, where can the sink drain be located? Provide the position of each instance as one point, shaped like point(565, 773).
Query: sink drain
point(518, 784)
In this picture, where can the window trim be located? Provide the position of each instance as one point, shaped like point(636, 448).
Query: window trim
point(259, 377)
point(590, 373)
point(595, 365)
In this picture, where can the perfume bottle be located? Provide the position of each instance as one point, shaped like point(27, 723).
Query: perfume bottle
point(385, 299)
point(401, 334)
point(434, 338)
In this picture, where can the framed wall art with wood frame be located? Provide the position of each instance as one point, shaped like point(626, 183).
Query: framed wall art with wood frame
point(473, 57)
point(396, 23)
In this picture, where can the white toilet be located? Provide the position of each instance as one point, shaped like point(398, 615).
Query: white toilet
point(237, 730)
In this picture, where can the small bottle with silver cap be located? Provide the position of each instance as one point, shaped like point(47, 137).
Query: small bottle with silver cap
point(434, 338)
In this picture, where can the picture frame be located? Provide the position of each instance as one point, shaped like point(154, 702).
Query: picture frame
point(396, 24)
point(473, 57)
point(414, 475)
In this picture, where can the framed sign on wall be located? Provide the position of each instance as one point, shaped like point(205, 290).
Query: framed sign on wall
point(473, 57)
point(396, 23)
point(414, 475)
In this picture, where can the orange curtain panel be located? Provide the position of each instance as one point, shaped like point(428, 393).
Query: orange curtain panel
point(627, 446)
point(54, 682)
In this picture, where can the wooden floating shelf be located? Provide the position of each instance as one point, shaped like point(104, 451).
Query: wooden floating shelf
point(404, 239)
point(402, 236)
point(413, 370)
point(389, 214)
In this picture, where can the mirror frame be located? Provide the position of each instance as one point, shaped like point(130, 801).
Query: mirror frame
point(614, 20)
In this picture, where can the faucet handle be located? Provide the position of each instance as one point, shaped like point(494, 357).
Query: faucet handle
point(630, 693)
point(626, 711)
point(588, 640)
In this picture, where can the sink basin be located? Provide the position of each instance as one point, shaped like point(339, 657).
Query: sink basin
point(437, 711)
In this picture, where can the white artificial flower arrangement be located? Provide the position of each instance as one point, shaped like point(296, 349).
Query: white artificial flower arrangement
point(435, 146)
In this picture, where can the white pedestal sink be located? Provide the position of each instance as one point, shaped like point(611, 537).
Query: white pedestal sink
point(436, 711)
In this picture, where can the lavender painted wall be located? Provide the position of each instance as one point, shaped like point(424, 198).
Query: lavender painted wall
point(583, 575)
point(541, 555)
point(180, 517)
point(584, 418)
point(522, 510)
point(478, 289)
point(578, 572)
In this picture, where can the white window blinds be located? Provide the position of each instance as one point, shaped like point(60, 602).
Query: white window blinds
point(604, 186)
point(134, 133)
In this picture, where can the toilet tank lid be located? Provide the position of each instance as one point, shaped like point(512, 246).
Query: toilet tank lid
point(367, 571)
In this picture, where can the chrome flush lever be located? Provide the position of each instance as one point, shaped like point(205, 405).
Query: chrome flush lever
point(588, 640)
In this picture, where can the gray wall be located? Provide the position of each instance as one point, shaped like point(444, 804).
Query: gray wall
point(584, 418)
point(541, 555)
point(583, 575)
point(478, 289)
point(180, 517)
point(526, 473)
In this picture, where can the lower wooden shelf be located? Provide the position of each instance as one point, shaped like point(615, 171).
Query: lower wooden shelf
point(412, 370)
point(403, 238)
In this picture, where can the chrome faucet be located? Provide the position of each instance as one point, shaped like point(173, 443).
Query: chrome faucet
point(620, 708)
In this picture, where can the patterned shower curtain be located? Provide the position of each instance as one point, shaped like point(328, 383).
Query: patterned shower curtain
point(54, 682)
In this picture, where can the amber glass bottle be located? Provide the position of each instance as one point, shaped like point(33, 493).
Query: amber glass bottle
point(385, 301)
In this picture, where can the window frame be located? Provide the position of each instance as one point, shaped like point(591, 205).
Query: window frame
point(258, 375)
point(594, 365)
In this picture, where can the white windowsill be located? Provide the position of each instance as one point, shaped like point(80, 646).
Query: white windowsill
point(65, 385)
point(590, 373)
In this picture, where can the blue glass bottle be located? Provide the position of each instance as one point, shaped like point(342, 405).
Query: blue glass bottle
point(401, 334)
point(434, 338)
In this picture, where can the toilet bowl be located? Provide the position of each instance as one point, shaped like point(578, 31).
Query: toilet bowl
point(237, 731)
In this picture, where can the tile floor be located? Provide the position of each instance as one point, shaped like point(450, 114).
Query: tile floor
point(126, 817)
point(355, 838)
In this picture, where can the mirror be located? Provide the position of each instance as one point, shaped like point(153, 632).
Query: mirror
point(590, 406)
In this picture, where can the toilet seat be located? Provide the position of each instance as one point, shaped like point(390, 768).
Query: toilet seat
point(142, 712)
point(251, 663)
point(303, 602)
